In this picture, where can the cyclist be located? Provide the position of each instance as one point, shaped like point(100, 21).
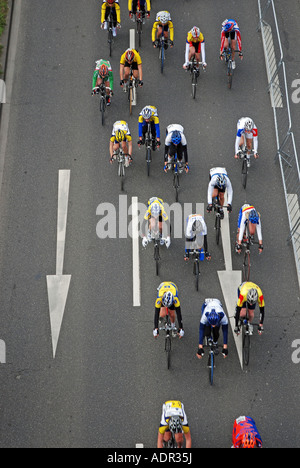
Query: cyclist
point(176, 143)
point(163, 25)
point(195, 45)
point(167, 299)
point(154, 215)
point(219, 182)
point(121, 137)
point(149, 114)
point(113, 7)
point(231, 29)
point(246, 130)
point(213, 317)
point(248, 215)
point(103, 71)
point(250, 293)
point(245, 433)
point(196, 236)
point(133, 5)
point(173, 419)
point(131, 58)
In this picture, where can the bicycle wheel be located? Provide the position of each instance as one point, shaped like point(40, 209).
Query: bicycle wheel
point(194, 84)
point(148, 159)
point(246, 266)
point(162, 57)
point(130, 97)
point(168, 346)
point(246, 347)
point(156, 258)
point(218, 229)
point(210, 366)
point(244, 173)
point(229, 73)
point(102, 108)
point(196, 273)
point(176, 185)
point(139, 26)
point(110, 39)
point(121, 173)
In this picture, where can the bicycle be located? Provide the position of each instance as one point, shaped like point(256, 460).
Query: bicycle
point(177, 168)
point(161, 44)
point(194, 67)
point(130, 88)
point(198, 255)
point(245, 155)
point(170, 333)
point(139, 19)
point(216, 208)
point(227, 55)
point(149, 143)
point(213, 352)
point(121, 159)
point(246, 334)
point(247, 242)
point(103, 99)
point(156, 237)
point(110, 22)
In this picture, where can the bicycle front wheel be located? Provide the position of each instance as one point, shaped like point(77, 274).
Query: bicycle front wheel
point(121, 173)
point(162, 58)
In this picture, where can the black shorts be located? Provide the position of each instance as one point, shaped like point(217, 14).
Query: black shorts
point(230, 34)
point(134, 65)
point(197, 46)
point(223, 190)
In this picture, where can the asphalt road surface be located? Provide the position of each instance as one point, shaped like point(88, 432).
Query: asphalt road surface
point(108, 381)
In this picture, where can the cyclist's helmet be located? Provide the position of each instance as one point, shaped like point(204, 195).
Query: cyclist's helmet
point(253, 217)
point(175, 424)
point(176, 137)
point(248, 125)
point(221, 182)
point(195, 32)
point(248, 440)
point(167, 299)
point(111, 2)
point(147, 113)
point(120, 135)
point(103, 70)
point(213, 318)
point(155, 209)
point(163, 17)
point(252, 296)
point(228, 25)
point(129, 56)
point(197, 225)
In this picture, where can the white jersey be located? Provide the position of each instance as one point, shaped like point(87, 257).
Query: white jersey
point(243, 218)
point(172, 128)
point(173, 408)
point(253, 135)
point(120, 125)
point(214, 173)
point(213, 304)
point(189, 233)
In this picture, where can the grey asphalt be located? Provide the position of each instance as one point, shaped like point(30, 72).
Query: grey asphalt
point(109, 379)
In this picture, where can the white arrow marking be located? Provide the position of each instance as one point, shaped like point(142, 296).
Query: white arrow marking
point(58, 284)
point(230, 281)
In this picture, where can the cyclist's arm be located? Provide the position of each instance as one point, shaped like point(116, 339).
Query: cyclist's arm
point(148, 5)
point(121, 71)
point(111, 80)
point(261, 315)
point(141, 124)
point(103, 11)
point(255, 140)
point(111, 144)
point(237, 143)
point(129, 141)
point(259, 233)
point(188, 440)
point(225, 334)
point(156, 317)
point(203, 56)
point(239, 40)
point(242, 228)
point(157, 128)
point(223, 37)
point(140, 68)
point(205, 244)
point(179, 316)
point(154, 29)
point(229, 191)
point(185, 153)
point(130, 5)
point(95, 77)
point(171, 30)
point(210, 190)
point(187, 51)
point(118, 12)
point(160, 440)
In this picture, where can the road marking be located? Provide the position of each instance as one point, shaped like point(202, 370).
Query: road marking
point(2, 352)
point(230, 281)
point(135, 253)
point(2, 92)
point(58, 284)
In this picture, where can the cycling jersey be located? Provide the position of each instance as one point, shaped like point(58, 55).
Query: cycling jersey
point(120, 125)
point(172, 128)
point(234, 29)
point(190, 234)
point(194, 40)
point(168, 26)
point(214, 173)
point(173, 408)
point(252, 135)
point(198, 43)
point(243, 219)
point(109, 77)
point(207, 307)
point(163, 213)
point(161, 290)
point(154, 119)
point(137, 58)
point(132, 5)
point(242, 426)
point(116, 8)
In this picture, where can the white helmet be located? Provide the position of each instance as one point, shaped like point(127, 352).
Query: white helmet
point(195, 32)
point(163, 17)
point(248, 124)
point(147, 113)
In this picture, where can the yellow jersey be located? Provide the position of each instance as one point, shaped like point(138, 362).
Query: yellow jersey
point(137, 58)
point(113, 5)
point(163, 213)
point(191, 40)
point(148, 4)
point(120, 125)
point(173, 408)
point(159, 24)
point(164, 288)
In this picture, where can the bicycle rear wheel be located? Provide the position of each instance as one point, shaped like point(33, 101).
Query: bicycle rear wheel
point(246, 267)
point(244, 173)
point(196, 273)
point(246, 347)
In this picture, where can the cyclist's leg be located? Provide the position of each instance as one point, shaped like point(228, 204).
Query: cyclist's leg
point(134, 6)
point(126, 72)
point(249, 143)
point(216, 334)
point(179, 439)
point(159, 32)
point(153, 131)
point(233, 43)
point(166, 34)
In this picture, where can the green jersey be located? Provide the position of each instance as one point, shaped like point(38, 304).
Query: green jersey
point(109, 77)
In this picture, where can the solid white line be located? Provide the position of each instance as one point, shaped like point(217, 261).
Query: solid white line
point(62, 213)
point(2, 92)
point(135, 253)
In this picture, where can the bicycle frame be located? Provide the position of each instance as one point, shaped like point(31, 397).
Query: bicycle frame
point(148, 145)
point(194, 67)
point(110, 40)
point(132, 85)
point(169, 331)
point(245, 155)
point(227, 54)
point(216, 208)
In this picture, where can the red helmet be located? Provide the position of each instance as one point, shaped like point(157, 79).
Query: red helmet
point(129, 56)
point(248, 440)
point(110, 1)
point(103, 70)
